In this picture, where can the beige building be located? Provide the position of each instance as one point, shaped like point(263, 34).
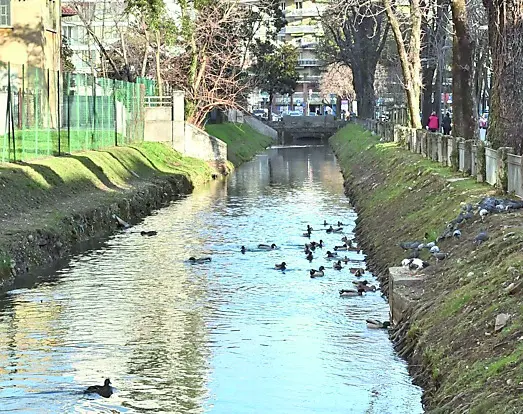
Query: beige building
point(30, 33)
point(304, 31)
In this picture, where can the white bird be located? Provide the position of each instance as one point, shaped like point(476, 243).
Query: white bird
point(417, 264)
point(430, 245)
point(406, 262)
point(457, 234)
point(121, 222)
point(482, 213)
point(434, 249)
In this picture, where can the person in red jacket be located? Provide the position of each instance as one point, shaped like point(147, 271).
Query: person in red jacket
point(433, 124)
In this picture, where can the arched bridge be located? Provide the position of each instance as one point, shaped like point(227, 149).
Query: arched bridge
point(295, 128)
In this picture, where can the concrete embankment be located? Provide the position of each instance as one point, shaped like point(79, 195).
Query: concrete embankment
point(446, 313)
point(50, 206)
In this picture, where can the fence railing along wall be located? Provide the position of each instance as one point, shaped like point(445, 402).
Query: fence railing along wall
point(500, 168)
point(44, 113)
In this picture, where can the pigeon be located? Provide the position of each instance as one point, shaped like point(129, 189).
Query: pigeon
point(481, 237)
point(417, 264)
point(409, 245)
point(406, 262)
point(413, 254)
point(430, 245)
point(482, 213)
point(457, 234)
point(440, 256)
point(434, 249)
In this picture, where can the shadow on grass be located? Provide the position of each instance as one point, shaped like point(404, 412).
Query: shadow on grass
point(147, 158)
point(96, 170)
point(52, 178)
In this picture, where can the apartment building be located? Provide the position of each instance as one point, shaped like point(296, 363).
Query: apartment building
point(107, 22)
point(304, 31)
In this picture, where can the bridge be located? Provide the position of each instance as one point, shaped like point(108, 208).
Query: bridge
point(292, 129)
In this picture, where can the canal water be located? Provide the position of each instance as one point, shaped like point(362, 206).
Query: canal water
point(230, 336)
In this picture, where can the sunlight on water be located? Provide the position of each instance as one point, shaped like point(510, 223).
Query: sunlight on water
point(230, 336)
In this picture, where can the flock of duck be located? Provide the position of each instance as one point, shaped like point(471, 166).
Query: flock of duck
point(333, 256)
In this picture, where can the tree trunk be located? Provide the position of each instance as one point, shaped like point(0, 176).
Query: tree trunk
point(145, 53)
point(465, 122)
point(428, 89)
point(158, 64)
point(363, 82)
point(411, 62)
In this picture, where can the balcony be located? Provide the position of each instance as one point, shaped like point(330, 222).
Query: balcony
point(309, 12)
point(302, 29)
point(309, 62)
point(309, 79)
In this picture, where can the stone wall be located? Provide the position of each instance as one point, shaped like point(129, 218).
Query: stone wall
point(499, 168)
point(200, 144)
point(260, 127)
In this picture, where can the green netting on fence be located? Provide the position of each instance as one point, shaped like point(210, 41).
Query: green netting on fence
point(46, 113)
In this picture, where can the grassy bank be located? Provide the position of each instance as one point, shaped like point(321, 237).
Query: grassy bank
point(49, 202)
point(463, 365)
point(242, 141)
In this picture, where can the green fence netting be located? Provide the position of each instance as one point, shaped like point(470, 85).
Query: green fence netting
point(44, 113)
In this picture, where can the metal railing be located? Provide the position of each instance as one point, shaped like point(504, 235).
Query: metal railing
point(44, 112)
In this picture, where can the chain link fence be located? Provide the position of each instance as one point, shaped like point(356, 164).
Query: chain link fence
point(45, 113)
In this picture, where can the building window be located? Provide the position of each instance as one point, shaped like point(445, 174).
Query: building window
point(5, 12)
point(299, 4)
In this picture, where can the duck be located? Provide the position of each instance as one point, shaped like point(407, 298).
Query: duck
point(345, 260)
point(337, 265)
point(149, 233)
point(243, 249)
point(309, 257)
point(344, 247)
point(325, 223)
point(338, 230)
point(317, 273)
point(194, 260)
point(266, 246)
point(309, 228)
point(321, 244)
point(347, 241)
point(103, 390)
point(351, 292)
point(375, 324)
point(359, 273)
point(355, 270)
point(281, 266)
point(331, 254)
point(340, 224)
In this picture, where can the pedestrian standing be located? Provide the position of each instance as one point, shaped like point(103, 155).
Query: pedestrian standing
point(446, 124)
point(433, 124)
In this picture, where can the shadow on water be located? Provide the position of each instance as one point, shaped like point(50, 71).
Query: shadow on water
point(233, 335)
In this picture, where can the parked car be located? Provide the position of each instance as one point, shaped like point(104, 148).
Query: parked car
point(260, 113)
point(294, 113)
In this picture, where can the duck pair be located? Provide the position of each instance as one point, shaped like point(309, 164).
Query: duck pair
point(365, 286)
point(317, 273)
point(333, 230)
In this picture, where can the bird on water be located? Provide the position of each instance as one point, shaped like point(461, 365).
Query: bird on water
point(103, 390)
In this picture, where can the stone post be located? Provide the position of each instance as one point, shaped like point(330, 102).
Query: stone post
point(473, 158)
point(442, 149)
point(480, 162)
point(467, 156)
point(452, 153)
point(502, 173)
point(434, 153)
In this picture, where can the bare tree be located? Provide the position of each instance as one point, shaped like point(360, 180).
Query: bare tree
point(356, 33)
point(409, 53)
point(337, 80)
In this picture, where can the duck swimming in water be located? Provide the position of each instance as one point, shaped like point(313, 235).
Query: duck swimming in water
point(317, 273)
point(103, 390)
point(351, 292)
point(375, 324)
point(337, 265)
point(325, 223)
point(266, 246)
point(149, 233)
point(309, 257)
point(194, 260)
point(243, 249)
point(331, 254)
point(281, 266)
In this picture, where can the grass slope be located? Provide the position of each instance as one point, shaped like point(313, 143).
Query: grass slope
point(464, 365)
point(242, 141)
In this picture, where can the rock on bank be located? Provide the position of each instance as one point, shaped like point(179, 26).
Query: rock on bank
point(448, 335)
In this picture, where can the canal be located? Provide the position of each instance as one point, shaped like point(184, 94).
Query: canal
point(230, 336)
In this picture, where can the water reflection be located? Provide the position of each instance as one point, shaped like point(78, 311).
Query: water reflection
point(232, 336)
